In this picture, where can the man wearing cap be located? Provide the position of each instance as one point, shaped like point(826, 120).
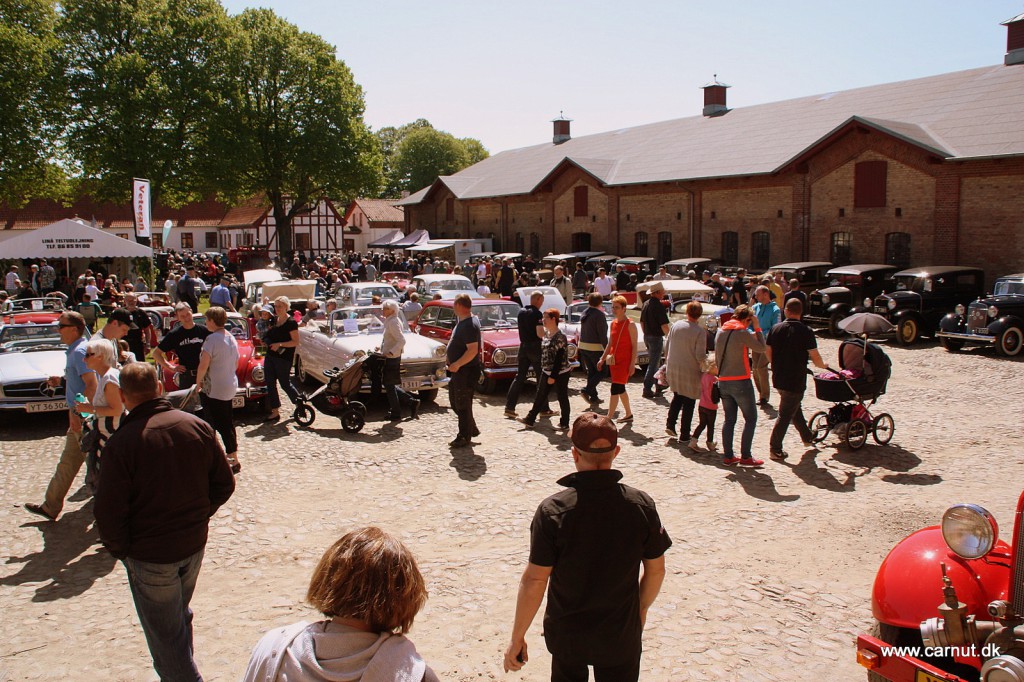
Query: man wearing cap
point(187, 289)
point(221, 295)
point(654, 324)
point(119, 323)
point(590, 540)
point(137, 330)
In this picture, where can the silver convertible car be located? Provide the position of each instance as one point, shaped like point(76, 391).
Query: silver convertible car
point(29, 355)
point(325, 344)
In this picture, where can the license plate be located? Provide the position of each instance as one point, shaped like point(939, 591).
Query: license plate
point(412, 384)
point(47, 406)
point(922, 676)
point(238, 401)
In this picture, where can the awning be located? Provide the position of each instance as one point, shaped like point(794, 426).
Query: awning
point(430, 246)
point(387, 240)
point(417, 237)
point(71, 239)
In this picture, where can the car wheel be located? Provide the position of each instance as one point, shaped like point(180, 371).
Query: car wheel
point(883, 429)
point(833, 324)
point(352, 421)
point(428, 395)
point(818, 424)
point(300, 372)
point(1010, 342)
point(486, 384)
point(907, 332)
point(951, 345)
point(856, 434)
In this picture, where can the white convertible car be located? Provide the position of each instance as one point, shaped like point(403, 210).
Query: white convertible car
point(29, 354)
point(325, 344)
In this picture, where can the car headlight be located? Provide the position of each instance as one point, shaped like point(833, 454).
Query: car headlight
point(969, 530)
point(257, 374)
point(993, 311)
point(499, 357)
point(867, 302)
point(571, 351)
point(824, 299)
point(711, 323)
point(176, 380)
point(439, 352)
point(959, 309)
point(439, 373)
point(891, 304)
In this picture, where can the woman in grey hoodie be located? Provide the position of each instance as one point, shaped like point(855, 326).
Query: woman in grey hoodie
point(734, 339)
point(369, 587)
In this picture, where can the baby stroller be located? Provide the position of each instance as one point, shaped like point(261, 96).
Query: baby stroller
point(334, 397)
point(865, 373)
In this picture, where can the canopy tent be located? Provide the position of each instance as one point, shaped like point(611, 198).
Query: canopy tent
point(414, 238)
point(387, 240)
point(70, 239)
point(430, 246)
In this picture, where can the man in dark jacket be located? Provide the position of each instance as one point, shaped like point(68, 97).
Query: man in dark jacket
point(531, 331)
point(164, 475)
point(593, 340)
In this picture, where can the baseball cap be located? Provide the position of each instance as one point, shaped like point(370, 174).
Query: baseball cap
point(591, 430)
point(120, 315)
point(268, 308)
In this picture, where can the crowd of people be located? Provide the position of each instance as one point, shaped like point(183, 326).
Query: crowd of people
point(153, 505)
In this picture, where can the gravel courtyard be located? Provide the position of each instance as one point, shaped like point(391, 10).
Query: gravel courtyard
point(769, 577)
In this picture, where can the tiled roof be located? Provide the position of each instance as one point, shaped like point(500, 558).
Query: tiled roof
point(246, 214)
point(380, 210)
point(961, 115)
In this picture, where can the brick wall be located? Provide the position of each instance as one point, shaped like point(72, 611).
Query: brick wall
point(653, 213)
point(745, 211)
point(594, 223)
point(484, 218)
point(992, 224)
point(528, 218)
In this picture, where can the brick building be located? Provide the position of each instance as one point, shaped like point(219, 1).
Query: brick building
point(927, 171)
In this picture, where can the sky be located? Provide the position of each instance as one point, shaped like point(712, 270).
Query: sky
point(500, 71)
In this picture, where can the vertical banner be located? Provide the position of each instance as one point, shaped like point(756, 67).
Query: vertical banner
point(141, 209)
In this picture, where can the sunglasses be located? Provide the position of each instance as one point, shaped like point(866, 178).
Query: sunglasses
point(89, 355)
point(64, 326)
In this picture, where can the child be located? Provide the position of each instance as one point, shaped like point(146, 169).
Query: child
point(708, 406)
point(265, 320)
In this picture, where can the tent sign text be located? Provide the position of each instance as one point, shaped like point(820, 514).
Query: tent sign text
point(66, 243)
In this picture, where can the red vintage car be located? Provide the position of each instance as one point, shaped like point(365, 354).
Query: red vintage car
point(951, 598)
point(251, 387)
point(160, 309)
point(499, 335)
point(33, 310)
point(398, 279)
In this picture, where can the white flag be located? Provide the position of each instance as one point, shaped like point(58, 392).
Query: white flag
point(140, 207)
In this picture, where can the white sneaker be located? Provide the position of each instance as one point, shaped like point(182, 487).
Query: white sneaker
point(712, 445)
point(693, 444)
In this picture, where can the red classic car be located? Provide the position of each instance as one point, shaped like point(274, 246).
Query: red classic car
point(500, 335)
point(33, 310)
point(250, 363)
point(949, 603)
point(160, 309)
point(398, 279)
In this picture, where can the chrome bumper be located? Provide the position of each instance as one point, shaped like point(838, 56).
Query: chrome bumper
point(966, 337)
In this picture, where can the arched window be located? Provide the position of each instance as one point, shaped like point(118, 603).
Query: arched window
point(897, 249)
point(640, 244)
point(495, 244)
point(730, 248)
point(581, 241)
point(664, 247)
point(760, 251)
point(842, 249)
point(520, 242)
point(534, 244)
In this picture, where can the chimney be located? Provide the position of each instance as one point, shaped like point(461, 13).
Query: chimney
point(561, 129)
point(714, 97)
point(1014, 40)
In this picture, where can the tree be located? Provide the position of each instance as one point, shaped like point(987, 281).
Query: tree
point(29, 115)
point(390, 138)
point(474, 149)
point(145, 78)
point(425, 154)
point(294, 121)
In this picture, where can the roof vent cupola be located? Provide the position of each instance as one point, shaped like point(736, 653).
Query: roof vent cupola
point(561, 129)
point(1014, 40)
point(714, 97)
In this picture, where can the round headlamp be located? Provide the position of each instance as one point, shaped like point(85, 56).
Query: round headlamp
point(993, 311)
point(959, 309)
point(439, 352)
point(499, 357)
point(439, 373)
point(571, 351)
point(867, 302)
point(891, 304)
point(257, 374)
point(969, 530)
point(176, 380)
point(824, 299)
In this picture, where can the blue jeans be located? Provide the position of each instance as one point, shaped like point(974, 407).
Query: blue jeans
point(162, 593)
point(654, 346)
point(738, 395)
point(527, 360)
point(589, 358)
point(278, 371)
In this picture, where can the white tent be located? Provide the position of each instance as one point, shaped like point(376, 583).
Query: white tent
point(70, 239)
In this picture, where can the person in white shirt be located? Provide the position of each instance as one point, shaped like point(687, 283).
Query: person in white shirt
point(412, 307)
point(91, 289)
point(483, 289)
point(603, 284)
point(662, 274)
point(391, 348)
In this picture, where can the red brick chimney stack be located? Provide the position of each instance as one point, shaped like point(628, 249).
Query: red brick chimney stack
point(1014, 40)
point(561, 129)
point(714, 97)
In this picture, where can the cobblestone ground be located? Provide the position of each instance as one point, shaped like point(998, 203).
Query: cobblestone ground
point(769, 577)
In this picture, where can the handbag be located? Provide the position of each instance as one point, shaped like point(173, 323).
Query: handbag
point(661, 376)
point(610, 360)
point(716, 393)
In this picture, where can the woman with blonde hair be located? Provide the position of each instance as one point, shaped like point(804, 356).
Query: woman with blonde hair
point(282, 339)
point(620, 357)
point(105, 403)
point(370, 588)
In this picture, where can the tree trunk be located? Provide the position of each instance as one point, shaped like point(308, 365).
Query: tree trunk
point(283, 230)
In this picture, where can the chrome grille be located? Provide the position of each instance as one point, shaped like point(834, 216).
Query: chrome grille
point(30, 389)
point(814, 304)
point(1017, 589)
point(977, 318)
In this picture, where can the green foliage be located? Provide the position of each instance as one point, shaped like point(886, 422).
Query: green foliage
point(416, 154)
point(30, 87)
point(293, 121)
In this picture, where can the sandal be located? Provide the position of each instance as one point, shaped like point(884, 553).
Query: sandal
point(627, 418)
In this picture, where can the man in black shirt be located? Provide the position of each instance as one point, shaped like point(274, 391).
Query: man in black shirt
point(506, 278)
point(621, 278)
point(654, 325)
point(140, 323)
point(795, 292)
point(186, 340)
point(790, 344)
point(531, 331)
point(590, 540)
point(464, 368)
point(738, 295)
point(188, 289)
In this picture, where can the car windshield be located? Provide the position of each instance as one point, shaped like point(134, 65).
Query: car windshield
point(574, 313)
point(450, 285)
point(22, 305)
point(1008, 286)
point(360, 320)
point(152, 299)
point(844, 281)
point(495, 315)
point(23, 337)
point(910, 283)
point(238, 327)
point(367, 293)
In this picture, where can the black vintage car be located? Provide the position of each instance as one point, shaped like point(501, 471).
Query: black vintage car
point(922, 296)
point(997, 319)
point(811, 274)
point(851, 289)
